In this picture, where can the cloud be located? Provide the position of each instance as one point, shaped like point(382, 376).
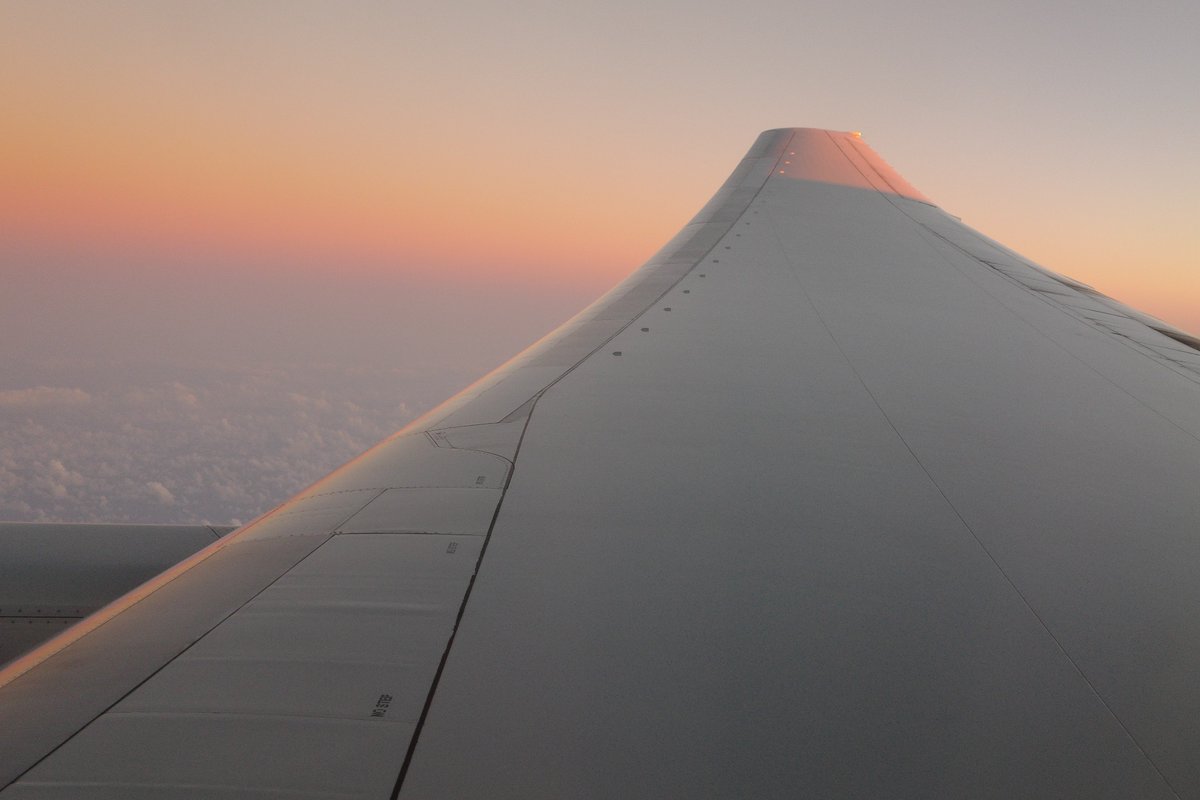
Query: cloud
point(314, 403)
point(161, 493)
point(43, 397)
point(60, 473)
point(181, 443)
point(57, 479)
point(184, 395)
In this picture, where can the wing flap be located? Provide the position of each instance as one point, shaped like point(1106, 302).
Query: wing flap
point(47, 696)
point(314, 685)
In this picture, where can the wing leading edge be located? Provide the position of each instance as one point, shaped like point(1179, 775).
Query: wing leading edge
point(834, 496)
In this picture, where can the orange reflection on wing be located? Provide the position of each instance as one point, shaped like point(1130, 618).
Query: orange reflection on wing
point(843, 159)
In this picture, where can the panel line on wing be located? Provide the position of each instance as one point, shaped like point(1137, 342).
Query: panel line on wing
point(412, 743)
point(530, 406)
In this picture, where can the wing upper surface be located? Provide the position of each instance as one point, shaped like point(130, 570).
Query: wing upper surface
point(833, 496)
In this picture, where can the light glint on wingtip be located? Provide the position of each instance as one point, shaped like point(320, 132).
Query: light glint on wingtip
point(856, 134)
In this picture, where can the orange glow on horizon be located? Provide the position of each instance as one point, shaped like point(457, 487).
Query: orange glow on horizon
point(210, 192)
point(128, 179)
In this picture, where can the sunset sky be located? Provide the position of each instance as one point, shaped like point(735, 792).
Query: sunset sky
point(382, 200)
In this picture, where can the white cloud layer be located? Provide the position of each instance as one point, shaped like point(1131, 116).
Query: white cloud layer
point(161, 493)
point(187, 446)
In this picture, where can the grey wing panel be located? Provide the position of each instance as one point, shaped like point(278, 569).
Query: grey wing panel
point(50, 694)
point(312, 688)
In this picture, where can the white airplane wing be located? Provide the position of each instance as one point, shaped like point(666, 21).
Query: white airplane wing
point(834, 497)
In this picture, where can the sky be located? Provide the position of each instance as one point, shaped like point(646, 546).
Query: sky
point(242, 241)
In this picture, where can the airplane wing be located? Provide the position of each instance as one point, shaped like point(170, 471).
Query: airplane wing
point(834, 497)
